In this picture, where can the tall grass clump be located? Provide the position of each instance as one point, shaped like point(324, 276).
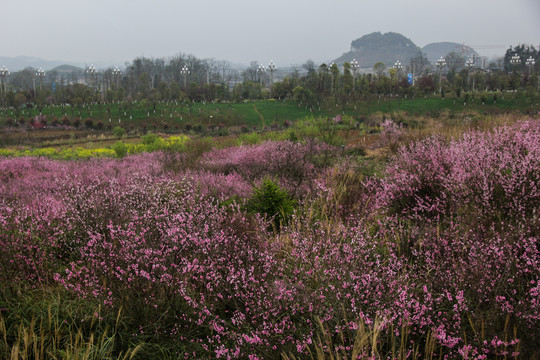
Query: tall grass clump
point(52, 325)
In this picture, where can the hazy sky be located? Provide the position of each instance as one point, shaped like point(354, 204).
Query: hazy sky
point(286, 31)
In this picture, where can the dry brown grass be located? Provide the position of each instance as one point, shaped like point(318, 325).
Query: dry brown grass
point(54, 338)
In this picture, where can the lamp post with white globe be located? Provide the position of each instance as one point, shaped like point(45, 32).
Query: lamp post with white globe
point(515, 60)
point(271, 68)
point(4, 73)
point(398, 66)
point(354, 67)
point(441, 63)
point(469, 64)
point(261, 70)
point(116, 75)
point(530, 64)
point(185, 73)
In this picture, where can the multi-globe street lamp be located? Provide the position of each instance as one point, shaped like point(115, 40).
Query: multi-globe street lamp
point(515, 60)
point(469, 64)
point(271, 68)
point(354, 67)
point(39, 74)
point(441, 63)
point(93, 73)
point(116, 75)
point(398, 66)
point(185, 72)
point(530, 64)
point(331, 70)
point(4, 73)
point(261, 70)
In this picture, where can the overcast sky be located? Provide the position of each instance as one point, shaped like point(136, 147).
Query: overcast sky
point(286, 31)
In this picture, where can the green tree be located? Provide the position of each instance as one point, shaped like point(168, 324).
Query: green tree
point(19, 100)
point(271, 201)
point(381, 83)
point(454, 62)
point(120, 149)
point(458, 83)
point(119, 132)
point(379, 69)
point(334, 70)
point(347, 79)
point(303, 95)
point(144, 85)
point(324, 84)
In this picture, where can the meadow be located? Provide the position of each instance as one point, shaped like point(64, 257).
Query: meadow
point(174, 115)
point(413, 237)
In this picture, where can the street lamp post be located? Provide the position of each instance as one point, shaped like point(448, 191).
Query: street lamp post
point(441, 63)
point(116, 74)
point(4, 73)
point(530, 64)
point(92, 72)
point(469, 64)
point(185, 73)
point(398, 66)
point(261, 70)
point(332, 74)
point(515, 60)
point(354, 67)
point(40, 73)
point(271, 68)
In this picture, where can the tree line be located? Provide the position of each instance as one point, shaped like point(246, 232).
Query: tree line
point(185, 77)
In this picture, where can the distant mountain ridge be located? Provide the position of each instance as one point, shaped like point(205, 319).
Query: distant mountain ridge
point(390, 47)
point(22, 62)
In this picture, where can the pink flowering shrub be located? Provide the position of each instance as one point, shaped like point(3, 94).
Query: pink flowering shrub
point(443, 250)
point(493, 175)
point(219, 184)
point(448, 288)
point(294, 164)
point(27, 247)
point(338, 120)
point(193, 269)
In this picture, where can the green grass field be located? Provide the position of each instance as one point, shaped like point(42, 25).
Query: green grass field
point(250, 113)
point(265, 112)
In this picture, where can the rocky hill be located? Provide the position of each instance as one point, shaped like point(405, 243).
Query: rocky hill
point(434, 51)
point(378, 47)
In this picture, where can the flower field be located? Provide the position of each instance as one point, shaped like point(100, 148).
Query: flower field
point(280, 249)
